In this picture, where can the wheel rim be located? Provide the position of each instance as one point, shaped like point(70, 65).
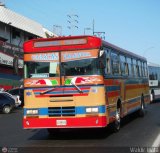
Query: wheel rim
point(118, 115)
point(142, 103)
point(118, 118)
point(142, 106)
point(6, 109)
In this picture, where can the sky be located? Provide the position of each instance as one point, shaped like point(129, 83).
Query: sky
point(133, 25)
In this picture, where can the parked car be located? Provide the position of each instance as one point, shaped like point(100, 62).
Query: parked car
point(16, 98)
point(18, 92)
point(7, 102)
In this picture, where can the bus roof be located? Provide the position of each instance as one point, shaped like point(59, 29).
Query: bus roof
point(62, 43)
point(123, 51)
point(153, 64)
point(71, 43)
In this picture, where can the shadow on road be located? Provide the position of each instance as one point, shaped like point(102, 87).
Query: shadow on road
point(73, 134)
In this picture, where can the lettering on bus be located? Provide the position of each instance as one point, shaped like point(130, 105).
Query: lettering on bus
point(60, 42)
point(79, 55)
point(44, 57)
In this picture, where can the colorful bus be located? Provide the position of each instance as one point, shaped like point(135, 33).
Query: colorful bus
point(154, 81)
point(81, 82)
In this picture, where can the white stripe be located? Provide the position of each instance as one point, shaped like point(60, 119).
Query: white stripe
point(156, 142)
point(48, 82)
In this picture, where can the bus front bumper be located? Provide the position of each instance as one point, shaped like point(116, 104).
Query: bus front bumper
point(78, 122)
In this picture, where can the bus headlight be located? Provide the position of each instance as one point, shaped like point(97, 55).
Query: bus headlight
point(32, 112)
point(92, 110)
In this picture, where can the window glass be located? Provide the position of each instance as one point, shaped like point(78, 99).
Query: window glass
point(145, 69)
point(123, 64)
point(129, 61)
point(41, 69)
point(115, 63)
point(134, 63)
point(108, 64)
point(82, 67)
point(140, 68)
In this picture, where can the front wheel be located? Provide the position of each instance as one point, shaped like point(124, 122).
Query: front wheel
point(7, 109)
point(117, 122)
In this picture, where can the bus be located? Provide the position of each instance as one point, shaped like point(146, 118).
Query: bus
point(81, 82)
point(154, 81)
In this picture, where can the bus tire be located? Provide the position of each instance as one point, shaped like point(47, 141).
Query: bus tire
point(152, 96)
point(142, 109)
point(117, 122)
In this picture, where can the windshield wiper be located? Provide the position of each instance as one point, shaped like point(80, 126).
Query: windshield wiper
point(80, 91)
point(46, 91)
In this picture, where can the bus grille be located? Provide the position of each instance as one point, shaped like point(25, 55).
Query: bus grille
point(61, 111)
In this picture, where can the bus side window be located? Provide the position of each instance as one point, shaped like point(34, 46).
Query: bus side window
point(126, 69)
point(138, 67)
point(108, 68)
point(129, 64)
point(145, 69)
point(134, 67)
point(122, 64)
point(115, 63)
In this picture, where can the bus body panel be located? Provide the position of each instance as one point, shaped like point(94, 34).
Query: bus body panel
point(89, 99)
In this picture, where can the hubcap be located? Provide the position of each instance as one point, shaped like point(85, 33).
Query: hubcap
point(118, 115)
point(7, 109)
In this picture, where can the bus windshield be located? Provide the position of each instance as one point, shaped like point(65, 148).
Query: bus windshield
point(41, 69)
point(81, 67)
point(69, 68)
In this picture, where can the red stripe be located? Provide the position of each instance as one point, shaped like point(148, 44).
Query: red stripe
point(78, 122)
point(113, 94)
point(136, 86)
point(51, 95)
point(111, 82)
point(61, 89)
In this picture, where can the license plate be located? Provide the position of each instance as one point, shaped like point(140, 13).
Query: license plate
point(61, 122)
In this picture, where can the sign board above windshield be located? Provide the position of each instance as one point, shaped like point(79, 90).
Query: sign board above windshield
point(60, 42)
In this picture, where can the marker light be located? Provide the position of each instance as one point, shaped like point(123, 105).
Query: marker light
point(32, 112)
point(92, 110)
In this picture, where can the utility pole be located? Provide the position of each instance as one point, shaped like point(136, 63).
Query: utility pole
point(72, 20)
point(99, 34)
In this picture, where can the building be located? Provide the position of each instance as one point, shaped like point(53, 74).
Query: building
point(14, 30)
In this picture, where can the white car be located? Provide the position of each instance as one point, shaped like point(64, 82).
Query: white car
point(15, 97)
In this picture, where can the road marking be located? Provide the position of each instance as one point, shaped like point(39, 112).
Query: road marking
point(156, 142)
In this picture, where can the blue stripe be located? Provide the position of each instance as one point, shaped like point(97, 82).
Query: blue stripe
point(62, 92)
point(134, 100)
point(80, 110)
point(134, 109)
point(112, 113)
point(112, 88)
point(70, 86)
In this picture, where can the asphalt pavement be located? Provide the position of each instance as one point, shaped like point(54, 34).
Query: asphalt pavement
point(136, 135)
